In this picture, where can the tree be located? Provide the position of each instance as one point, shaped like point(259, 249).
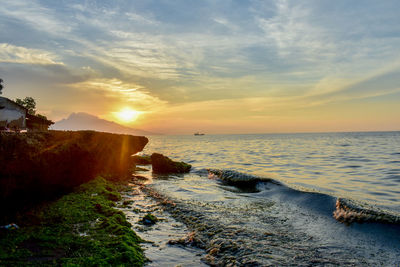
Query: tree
point(29, 103)
point(42, 116)
point(1, 85)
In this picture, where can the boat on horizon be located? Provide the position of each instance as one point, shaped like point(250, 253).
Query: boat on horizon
point(198, 133)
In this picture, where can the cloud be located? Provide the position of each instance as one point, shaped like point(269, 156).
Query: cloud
point(124, 93)
point(377, 85)
point(35, 15)
point(293, 35)
point(261, 57)
point(141, 19)
point(18, 54)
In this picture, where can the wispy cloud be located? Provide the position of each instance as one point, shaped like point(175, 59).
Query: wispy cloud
point(18, 54)
point(141, 18)
point(293, 35)
point(35, 15)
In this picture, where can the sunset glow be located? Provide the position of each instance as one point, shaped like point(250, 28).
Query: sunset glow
point(221, 66)
point(127, 115)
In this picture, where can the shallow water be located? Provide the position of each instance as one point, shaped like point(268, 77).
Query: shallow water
point(274, 226)
point(359, 166)
point(286, 220)
point(156, 247)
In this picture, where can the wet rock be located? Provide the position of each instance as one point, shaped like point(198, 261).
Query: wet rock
point(214, 251)
point(136, 210)
point(139, 177)
point(191, 239)
point(139, 169)
point(127, 203)
point(149, 219)
point(162, 164)
point(142, 160)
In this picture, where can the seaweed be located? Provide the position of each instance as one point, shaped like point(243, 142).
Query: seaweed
point(80, 228)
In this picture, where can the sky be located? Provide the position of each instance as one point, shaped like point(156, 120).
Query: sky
point(209, 66)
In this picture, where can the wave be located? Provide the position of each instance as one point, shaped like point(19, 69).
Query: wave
point(348, 211)
point(237, 178)
point(345, 211)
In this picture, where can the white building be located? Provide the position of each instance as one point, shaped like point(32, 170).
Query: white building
point(12, 115)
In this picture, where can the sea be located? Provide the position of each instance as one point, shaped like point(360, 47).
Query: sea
point(304, 199)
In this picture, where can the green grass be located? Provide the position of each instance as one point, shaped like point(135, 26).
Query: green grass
point(81, 228)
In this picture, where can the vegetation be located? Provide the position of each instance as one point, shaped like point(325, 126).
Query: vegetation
point(29, 103)
point(81, 228)
point(42, 116)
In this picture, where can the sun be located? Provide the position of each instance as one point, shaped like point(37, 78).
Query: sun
point(127, 115)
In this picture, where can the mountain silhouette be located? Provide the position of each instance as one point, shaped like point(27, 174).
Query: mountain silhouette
point(85, 121)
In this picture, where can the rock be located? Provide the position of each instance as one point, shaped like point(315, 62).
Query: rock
point(127, 202)
point(139, 177)
point(149, 219)
point(139, 169)
point(190, 239)
point(162, 164)
point(213, 251)
point(141, 160)
point(38, 166)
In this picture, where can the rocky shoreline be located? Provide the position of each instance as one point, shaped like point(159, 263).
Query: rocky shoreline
point(60, 190)
point(91, 199)
point(40, 166)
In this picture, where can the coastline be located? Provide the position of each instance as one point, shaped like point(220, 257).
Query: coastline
point(210, 217)
point(73, 212)
point(41, 166)
point(59, 192)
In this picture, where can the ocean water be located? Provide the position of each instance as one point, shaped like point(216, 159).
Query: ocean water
point(273, 199)
point(361, 166)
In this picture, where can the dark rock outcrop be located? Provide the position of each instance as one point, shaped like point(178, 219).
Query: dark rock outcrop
point(40, 165)
point(141, 160)
point(163, 164)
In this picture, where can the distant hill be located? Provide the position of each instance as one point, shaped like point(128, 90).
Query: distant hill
point(85, 121)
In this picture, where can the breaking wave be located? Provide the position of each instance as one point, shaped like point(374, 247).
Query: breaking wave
point(237, 178)
point(345, 211)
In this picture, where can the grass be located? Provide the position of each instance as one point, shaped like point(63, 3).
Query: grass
point(81, 228)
